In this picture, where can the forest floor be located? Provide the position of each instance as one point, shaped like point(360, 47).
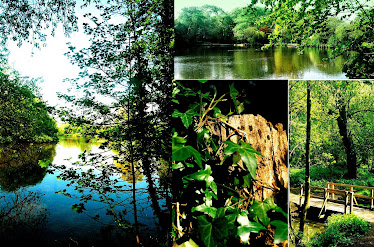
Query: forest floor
point(366, 240)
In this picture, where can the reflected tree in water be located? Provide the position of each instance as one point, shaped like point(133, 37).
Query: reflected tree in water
point(20, 164)
point(22, 217)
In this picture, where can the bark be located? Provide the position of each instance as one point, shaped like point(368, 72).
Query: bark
point(271, 142)
point(348, 143)
point(306, 204)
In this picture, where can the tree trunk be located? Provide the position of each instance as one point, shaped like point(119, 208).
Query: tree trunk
point(348, 143)
point(272, 169)
point(307, 168)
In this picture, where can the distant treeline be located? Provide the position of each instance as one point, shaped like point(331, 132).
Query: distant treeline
point(197, 25)
point(247, 25)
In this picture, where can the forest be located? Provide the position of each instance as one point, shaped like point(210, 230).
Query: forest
point(128, 63)
point(331, 140)
point(343, 26)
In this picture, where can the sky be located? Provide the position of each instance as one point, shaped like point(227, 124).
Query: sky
point(49, 62)
point(226, 5)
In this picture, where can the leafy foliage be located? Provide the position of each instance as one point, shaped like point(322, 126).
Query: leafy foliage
point(212, 205)
point(342, 131)
point(340, 231)
point(24, 116)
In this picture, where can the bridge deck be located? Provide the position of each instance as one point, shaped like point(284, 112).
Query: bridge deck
point(367, 214)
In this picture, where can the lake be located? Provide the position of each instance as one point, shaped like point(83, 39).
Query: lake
point(251, 63)
point(43, 202)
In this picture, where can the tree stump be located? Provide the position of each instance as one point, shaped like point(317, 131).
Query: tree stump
point(271, 142)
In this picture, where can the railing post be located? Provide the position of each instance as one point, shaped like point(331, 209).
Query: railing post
point(371, 200)
point(351, 206)
point(346, 202)
point(332, 193)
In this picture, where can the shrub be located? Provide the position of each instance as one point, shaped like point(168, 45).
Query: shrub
point(340, 230)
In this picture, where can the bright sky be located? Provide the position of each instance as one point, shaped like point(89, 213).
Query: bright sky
point(49, 62)
point(226, 5)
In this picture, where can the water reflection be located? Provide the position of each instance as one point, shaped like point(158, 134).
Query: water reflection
point(19, 164)
point(94, 204)
point(22, 218)
point(252, 63)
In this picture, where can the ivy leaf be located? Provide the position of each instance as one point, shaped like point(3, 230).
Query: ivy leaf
point(233, 94)
point(247, 180)
point(186, 117)
point(246, 226)
point(189, 243)
point(212, 233)
point(281, 231)
point(246, 152)
point(202, 175)
point(181, 153)
point(211, 211)
point(260, 209)
point(178, 166)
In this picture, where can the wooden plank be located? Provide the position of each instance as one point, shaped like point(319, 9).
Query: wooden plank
point(363, 196)
point(351, 185)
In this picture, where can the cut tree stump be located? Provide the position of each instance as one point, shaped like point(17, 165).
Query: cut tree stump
point(271, 142)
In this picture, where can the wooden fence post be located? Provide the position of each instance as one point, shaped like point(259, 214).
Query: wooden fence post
point(346, 202)
point(351, 203)
point(371, 200)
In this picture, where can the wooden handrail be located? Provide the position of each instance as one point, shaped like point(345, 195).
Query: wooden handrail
point(350, 196)
point(351, 185)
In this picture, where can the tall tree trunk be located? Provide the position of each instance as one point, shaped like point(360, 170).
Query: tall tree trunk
point(307, 167)
point(348, 143)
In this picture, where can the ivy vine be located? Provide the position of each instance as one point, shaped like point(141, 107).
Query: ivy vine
point(208, 209)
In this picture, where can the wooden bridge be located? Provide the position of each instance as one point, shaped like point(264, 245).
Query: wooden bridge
point(338, 200)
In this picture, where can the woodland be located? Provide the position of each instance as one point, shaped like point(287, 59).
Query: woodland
point(331, 140)
point(128, 62)
point(344, 26)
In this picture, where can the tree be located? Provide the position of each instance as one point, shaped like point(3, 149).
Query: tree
point(24, 115)
point(306, 204)
point(129, 63)
point(28, 21)
point(306, 18)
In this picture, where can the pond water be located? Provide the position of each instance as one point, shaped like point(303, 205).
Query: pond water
point(252, 63)
point(311, 228)
point(42, 206)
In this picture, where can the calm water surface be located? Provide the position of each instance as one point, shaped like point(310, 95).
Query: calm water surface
point(31, 212)
point(252, 63)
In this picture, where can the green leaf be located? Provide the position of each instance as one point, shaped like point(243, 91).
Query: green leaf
point(186, 117)
point(233, 94)
point(281, 231)
point(244, 231)
point(203, 81)
point(189, 243)
point(211, 211)
point(246, 152)
point(246, 226)
point(202, 175)
point(247, 180)
point(260, 209)
point(178, 166)
point(214, 232)
point(44, 163)
point(182, 153)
